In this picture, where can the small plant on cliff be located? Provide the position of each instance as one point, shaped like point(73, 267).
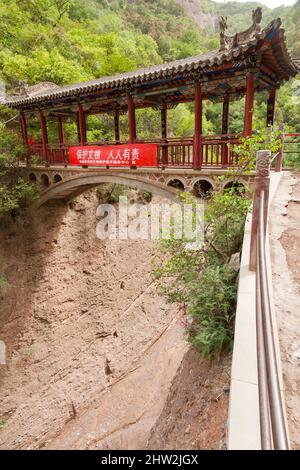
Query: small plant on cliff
point(246, 150)
point(3, 285)
point(3, 282)
point(204, 281)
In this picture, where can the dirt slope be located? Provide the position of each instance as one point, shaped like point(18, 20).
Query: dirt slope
point(78, 317)
point(195, 413)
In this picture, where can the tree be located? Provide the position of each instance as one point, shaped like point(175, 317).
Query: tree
point(62, 6)
point(15, 191)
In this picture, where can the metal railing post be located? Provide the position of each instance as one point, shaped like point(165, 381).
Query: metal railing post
point(261, 182)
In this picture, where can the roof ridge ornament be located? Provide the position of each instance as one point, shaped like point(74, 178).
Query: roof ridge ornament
point(229, 42)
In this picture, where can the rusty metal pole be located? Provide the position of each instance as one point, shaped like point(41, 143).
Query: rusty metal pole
point(261, 182)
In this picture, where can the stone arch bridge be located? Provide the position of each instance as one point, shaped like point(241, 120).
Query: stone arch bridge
point(65, 183)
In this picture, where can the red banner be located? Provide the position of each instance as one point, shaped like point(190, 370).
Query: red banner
point(114, 155)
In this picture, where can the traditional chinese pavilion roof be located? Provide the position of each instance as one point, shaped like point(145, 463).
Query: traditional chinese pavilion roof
point(255, 47)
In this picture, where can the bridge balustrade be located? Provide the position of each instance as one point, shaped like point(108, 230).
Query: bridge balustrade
point(217, 151)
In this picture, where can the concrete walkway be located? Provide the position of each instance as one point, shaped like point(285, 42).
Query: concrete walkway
point(284, 230)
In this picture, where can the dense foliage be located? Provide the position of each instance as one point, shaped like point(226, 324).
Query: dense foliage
point(203, 281)
point(65, 41)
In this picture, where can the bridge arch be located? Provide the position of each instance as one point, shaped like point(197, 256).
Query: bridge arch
point(57, 178)
point(202, 186)
point(32, 178)
point(177, 182)
point(45, 180)
point(74, 185)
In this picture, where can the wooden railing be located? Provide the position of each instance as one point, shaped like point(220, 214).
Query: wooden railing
point(291, 145)
point(217, 151)
point(176, 154)
point(56, 154)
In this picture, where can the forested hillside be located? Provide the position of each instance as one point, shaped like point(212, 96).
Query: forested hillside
point(65, 41)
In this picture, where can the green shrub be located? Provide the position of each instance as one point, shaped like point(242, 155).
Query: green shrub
point(114, 192)
point(15, 192)
point(211, 309)
point(203, 281)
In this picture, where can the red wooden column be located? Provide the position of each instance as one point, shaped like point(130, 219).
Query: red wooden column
point(225, 127)
point(117, 126)
point(60, 131)
point(62, 154)
point(225, 116)
point(44, 135)
point(131, 118)
point(24, 127)
point(164, 134)
point(81, 123)
point(271, 107)
point(249, 105)
point(197, 154)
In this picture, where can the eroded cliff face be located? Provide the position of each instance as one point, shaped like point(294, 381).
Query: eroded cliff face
point(93, 352)
point(80, 315)
point(193, 9)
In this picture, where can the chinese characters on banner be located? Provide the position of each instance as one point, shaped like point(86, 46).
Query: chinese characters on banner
point(114, 155)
